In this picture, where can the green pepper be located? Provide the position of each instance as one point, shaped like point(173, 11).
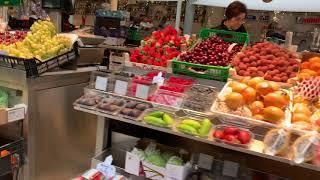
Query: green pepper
point(157, 114)
point(166, 118)
point(184, 128)
point(205, 128)
point(192, 123)
point(155, 121)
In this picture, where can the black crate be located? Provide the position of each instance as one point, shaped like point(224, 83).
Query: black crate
point(35, 67)
point(13, 158)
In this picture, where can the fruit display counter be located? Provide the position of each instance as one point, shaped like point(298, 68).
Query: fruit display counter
point(252, 116)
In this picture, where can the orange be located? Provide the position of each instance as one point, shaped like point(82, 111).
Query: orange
point(258, 117)
point(249, 94)
point(238, 87)
point(254, 81)
point(245, 80)
point(234, 100)
point(264, 88)
point(305, 65)
point(296, 117)
point(314, 60)
point(4, 153)
point(299, 99)
point(308, 71)
point(315, 66)
point(273, 114)
point(302, 108)
point(275, 99)
point(303, 75)
point(256, 107)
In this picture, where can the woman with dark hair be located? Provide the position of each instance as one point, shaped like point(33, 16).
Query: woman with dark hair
point(235, 16)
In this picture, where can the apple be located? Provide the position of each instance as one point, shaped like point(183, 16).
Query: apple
point(244, 137)
point(218, 134)
point(231, 130)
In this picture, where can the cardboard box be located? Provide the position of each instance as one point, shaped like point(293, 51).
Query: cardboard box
point(136, 166)
point(8, 115)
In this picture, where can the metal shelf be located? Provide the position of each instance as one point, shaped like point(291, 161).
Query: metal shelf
point(254, 149)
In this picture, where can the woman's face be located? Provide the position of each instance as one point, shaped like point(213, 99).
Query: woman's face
point(236, 22)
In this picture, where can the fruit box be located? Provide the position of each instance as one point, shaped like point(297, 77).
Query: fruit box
point(219, 73)
point(134, 165)
point(8, 115)
point(243, 115)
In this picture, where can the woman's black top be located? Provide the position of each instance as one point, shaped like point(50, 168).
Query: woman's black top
point(242, 29)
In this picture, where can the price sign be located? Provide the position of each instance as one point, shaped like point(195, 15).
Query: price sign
point(230, 169)
point(121, 87)
point(101, 83)
point(142, 91)
point(205, 161)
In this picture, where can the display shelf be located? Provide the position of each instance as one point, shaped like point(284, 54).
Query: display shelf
point(255, 148)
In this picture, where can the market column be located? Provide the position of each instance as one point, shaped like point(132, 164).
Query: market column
point(188, 18)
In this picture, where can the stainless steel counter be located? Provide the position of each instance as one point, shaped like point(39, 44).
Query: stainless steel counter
point(59, 140)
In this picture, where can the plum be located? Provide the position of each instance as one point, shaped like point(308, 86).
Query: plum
point(142, 106)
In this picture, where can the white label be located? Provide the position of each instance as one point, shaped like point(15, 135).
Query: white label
point(16, 114)
point(230, 169)
point(132, 165)
point(101, 83)
point(142, 91)
point(205, 161)
point(121, 87)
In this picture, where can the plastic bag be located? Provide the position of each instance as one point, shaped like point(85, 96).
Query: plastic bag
point(3, 98)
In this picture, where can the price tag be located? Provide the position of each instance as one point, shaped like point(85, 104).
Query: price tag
point(205, 161)
point(132, 164)
point(121, 87)
point(101, 83)
point(142, 91)
point(230, 169)
point(16, 114)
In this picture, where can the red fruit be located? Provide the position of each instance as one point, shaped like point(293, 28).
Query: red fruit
point(230, 137)
point(244, 137)
point(231, 130)
point(218, 134)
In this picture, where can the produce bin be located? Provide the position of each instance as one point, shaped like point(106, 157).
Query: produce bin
point(11, 155)
point(205, 71)
point(35, 67)
point(228, 36)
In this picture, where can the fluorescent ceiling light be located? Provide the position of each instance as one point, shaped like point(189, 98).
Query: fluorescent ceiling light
point(275, 5)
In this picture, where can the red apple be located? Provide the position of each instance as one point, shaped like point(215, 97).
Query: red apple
point(230, 137)
point(244, 137)
point(218, 134)
point(231, 130)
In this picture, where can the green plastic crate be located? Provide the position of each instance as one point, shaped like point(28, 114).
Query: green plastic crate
point(134, 35)
point(200, 71)
point(205, 71)
point(228, 36)
point(10, 2)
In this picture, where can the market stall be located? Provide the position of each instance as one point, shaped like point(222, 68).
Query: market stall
point(267, 110)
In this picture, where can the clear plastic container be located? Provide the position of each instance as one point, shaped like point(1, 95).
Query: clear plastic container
point(167, 98)
point(110, 105)
point(171, 113)
point(133, 109)
point(196, 122)
point(89, 100)
point(230, 134)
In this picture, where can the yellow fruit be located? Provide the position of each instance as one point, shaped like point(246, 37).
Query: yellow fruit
point(302, 108)
point(245, 80)
point(296, 117)
point(299, 99)
point(258, 117)
point(249, 95)
point(254, 81)
point(256, 107)
point(273, 114)
point(234, 100)
point(264, 88)
point(238, 87)
point(275, 99)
